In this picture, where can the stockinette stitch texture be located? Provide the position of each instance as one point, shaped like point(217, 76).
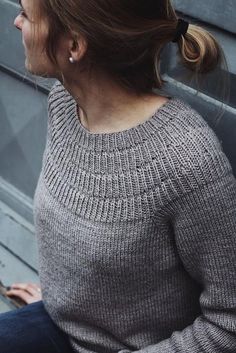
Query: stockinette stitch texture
point(136, 233)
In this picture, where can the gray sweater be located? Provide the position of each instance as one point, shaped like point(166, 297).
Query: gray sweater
point(137, 233)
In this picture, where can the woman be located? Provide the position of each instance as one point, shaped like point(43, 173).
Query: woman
point(135, 208)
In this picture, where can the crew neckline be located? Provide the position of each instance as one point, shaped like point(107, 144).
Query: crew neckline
point(81, 136)
point(114, 132)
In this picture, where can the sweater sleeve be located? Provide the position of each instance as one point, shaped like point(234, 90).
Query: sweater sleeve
point(204, 223)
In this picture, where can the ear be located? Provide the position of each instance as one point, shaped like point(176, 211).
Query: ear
point(77, 47)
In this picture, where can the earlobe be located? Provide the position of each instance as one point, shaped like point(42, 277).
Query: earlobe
point(78, 47)
point(71, 60)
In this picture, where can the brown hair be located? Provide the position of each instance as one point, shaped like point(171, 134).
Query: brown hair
point(125, 38)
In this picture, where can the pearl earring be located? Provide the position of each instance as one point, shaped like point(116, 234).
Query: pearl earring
point(71, 60)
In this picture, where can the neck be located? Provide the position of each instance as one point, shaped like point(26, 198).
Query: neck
point(104, 107)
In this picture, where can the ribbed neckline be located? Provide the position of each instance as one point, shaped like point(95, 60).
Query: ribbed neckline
point(120, 176)
point(79, 135)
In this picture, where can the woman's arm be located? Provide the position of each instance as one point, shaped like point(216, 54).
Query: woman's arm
point(204, 222)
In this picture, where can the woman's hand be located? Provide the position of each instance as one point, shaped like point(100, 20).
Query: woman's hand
point(28, 292)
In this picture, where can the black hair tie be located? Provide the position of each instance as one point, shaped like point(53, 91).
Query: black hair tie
point(181, 29)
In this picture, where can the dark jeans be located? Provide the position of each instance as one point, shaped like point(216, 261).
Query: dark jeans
point(31, 330)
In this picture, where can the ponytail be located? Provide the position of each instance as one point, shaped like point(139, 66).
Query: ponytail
point(200, 52)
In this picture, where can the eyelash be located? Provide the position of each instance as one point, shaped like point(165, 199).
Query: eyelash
point(22, 13)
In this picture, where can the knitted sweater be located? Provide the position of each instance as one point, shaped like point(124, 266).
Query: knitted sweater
point(136, 233)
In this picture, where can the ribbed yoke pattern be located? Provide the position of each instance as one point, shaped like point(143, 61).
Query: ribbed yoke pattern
point(131, 168)
point(136, 233)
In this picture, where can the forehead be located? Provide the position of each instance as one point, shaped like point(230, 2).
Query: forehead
point(22, 2)
point(29, 4)
point(26, 4)
point(33, 9)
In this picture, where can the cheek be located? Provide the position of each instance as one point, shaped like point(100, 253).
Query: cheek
point(32, 38)
point(27, 37)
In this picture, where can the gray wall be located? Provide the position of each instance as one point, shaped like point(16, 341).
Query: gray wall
point(23, 118)
point(23, 105)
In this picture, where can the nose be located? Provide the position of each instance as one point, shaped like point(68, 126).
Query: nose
point(17, 22)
